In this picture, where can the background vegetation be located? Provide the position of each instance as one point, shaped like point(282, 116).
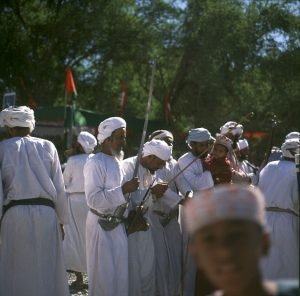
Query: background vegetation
point(216, 59)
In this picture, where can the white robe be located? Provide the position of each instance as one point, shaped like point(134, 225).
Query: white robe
point(167, 239)
point(74, 242)
point(140, 244)
point(278, 182)
point(31, 254)
point(198, 180)
point(107, 251)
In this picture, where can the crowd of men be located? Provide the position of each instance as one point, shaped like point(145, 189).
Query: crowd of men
point(209, 223)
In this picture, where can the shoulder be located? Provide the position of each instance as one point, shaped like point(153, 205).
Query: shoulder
point(128, 162)
point(185, 157)
point(288, 288)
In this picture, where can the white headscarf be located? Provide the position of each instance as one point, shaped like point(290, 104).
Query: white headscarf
point(292, 135)
point(21, 116)
point(198, 135)
point(158, 148)
point(242, 144)
point(87, 141)
point(232, 127)
point(107, 126)
point(225, 202)
point(289, 148)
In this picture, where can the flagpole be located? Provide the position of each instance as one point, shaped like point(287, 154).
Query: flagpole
point(70, 88)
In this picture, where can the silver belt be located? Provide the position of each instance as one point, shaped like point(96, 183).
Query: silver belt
point(107, 222)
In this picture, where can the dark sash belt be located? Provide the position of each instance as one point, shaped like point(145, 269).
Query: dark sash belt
point(275, 209)
point(39, 201)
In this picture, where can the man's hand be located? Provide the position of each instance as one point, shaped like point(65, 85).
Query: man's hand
point(159, 189)
point(240, 177)
point(131, 186)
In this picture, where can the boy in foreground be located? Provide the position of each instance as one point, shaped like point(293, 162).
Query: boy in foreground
point(228, 239)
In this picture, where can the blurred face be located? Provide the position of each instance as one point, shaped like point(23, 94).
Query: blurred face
point(169, 141)
point(219, 151)
point(153, 163)
point(200, 147)
point(243, 154)
point(229, 253)
point(117, 142)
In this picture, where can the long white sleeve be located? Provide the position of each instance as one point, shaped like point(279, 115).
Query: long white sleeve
point(194, 174)
point(102, 178)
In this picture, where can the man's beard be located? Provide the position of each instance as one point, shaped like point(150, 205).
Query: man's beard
point(119, 155)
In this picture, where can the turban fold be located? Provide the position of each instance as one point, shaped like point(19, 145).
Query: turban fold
point(225, 202)
point(289, 148)
point(158, 148)
point(87, 141)
point(232, 127)
point(21, 116)
point(107, 126)
point(198, 135)
point(224, 141)
point(242, 144)
point(293, 135)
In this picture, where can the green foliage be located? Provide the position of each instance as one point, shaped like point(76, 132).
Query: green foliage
point(218, 60)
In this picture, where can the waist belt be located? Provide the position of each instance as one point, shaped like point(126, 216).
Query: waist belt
point(275, 209)
point(39, 201)
point(165, 218)
point(107, 222)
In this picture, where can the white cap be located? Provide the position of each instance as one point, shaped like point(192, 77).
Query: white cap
point(199, 135)
point(225, 202)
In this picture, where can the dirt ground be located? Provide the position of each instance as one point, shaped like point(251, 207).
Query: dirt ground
point(83, 291)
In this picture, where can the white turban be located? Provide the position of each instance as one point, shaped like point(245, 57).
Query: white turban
point(289, 148)
point(198, 135)
point(292, 135)
point(242, 144)
point(87, 141)
point(158, 148)
point(21, 116)
point(225, 202)
point(107, 126)
point(232, 127)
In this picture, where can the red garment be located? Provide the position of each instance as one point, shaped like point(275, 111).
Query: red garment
point(220, 169)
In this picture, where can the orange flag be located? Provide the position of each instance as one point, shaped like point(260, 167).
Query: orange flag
point(70, 84)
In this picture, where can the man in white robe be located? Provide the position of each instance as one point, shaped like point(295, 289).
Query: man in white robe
point(242, 155)
point(106, 238)
point(165, 226)
point(199, 140)
point(74, 242)
point(35, 208)
point(278, 182)
point(234, 131)
point(141, 248)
